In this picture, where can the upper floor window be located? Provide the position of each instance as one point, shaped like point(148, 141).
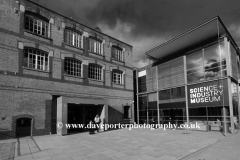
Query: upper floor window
point(73, 38)
point(117, 76)
point(95, 46)
point(117, 53)
point(36, 59)
point(37, 25)
point(95, 71)
point(72, 67)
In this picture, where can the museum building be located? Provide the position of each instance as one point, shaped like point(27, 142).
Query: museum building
point(193, 78)
point(55, 69)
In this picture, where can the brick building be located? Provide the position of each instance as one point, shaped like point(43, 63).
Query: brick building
point(54, 69)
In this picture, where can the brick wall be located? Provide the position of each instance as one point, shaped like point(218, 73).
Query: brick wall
point(27, 92)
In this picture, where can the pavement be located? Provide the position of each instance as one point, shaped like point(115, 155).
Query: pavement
point(124, 144)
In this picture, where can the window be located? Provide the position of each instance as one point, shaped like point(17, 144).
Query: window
point(205, 64)
point(95, 72)
point(173, 93)
point(37, 25)
point(142, 82)
point(73, 38)
point(117, 53)
point(36, 59)
point(95, 46)
point(117, 76)
point(72, 67)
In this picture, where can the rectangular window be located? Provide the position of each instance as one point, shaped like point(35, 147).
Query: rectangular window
point(117, 53)
point(73, 38)
point(95, 46)
point(117, 77)
point(36, 25)
point(72, 67)
point(36, 59)
point(95, 72)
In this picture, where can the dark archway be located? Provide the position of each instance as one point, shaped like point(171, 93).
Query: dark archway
point(23, 127)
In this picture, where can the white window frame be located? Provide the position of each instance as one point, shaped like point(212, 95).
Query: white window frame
point(95, 46)
point(117, 76)
point(36, 59)
point(74, 67)
point(118, 54)
point(73, 38)
point(37, 25)
point(95, 71)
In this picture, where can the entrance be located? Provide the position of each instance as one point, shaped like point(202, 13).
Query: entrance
point(91, 111)
point(82, 114)
point(23, 127)
point(75, 116)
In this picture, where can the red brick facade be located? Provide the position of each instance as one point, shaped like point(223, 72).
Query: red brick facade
point(26, 92)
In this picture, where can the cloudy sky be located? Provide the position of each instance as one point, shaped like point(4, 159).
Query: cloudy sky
point(146, 24)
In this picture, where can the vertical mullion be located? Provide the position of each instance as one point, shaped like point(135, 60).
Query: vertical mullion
point(36, 60)
point(28, 56)
point(44, 62)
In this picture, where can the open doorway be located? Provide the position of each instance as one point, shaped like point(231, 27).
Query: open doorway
point(23, 127)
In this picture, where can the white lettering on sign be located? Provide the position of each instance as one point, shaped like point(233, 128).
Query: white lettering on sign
point(211, 93)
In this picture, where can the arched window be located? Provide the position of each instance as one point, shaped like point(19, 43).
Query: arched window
point(37, 24)
point(73, 38)
point(95, 45)
point(72, 67)
point(117, 76)
point(117, 53)
point(95, 71)
point(36, 59)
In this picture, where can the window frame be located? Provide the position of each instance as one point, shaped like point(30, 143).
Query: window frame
point(97, 72)
point(35, 65)
point(74, 33)
point(38, 21)
point(119, 76)
point(95, 45)
point(117, 53)
point(76, 63)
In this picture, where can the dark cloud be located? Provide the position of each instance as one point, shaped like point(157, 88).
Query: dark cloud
point(147, 23)
point(163, 17)
point(77, 9)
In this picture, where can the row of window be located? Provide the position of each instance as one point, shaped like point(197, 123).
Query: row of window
point(72, 37)
point(37, 59)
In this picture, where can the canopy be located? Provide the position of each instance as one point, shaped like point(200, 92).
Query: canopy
point(210, 29)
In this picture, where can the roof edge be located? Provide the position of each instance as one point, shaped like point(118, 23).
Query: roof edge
point(185, 33)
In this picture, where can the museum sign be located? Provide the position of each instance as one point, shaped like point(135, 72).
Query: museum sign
point(214, 93)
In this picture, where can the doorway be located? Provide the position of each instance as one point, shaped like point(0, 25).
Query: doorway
point(75, 116)
point(23, 127)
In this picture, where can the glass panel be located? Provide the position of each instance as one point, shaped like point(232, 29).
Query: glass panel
point(142, 87)
point(178, 92)
point(195, 77)
point(234, 98)
point(143, 103)
point(195, 60)
point(214, 111)
point(164, 95)
point(211, 55)
point(198, 111)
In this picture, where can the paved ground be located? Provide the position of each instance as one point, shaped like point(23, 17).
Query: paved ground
point(123, 144)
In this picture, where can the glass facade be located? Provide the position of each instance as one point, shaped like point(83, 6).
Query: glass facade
point(206, 73)
point(207, 63)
